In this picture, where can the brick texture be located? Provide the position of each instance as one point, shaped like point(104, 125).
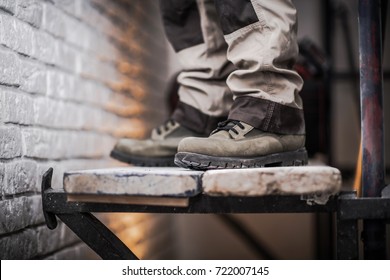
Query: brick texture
point(8, 5)
point(74, 77)
point(10, 142)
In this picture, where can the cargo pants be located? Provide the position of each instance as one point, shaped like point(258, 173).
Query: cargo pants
point(237, 61)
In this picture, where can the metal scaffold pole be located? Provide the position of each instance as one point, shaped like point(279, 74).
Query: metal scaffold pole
point(372, 119)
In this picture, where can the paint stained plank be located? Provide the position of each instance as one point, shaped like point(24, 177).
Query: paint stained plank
point(135, 181)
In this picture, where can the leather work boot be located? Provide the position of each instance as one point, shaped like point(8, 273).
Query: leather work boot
point(158, 150)
point(235, 144)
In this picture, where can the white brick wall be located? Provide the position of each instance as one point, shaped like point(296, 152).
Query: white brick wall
point(74, 76)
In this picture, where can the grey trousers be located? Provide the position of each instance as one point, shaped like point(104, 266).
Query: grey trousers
point(237, 58)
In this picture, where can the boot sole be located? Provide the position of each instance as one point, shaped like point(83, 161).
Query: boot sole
point(143, 161)
point(204, 162)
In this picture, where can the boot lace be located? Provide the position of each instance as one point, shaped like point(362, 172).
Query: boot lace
point(165, 126)
point(228, 125)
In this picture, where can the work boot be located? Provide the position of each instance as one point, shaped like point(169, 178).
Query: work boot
point(158, 150)
point(235, 144)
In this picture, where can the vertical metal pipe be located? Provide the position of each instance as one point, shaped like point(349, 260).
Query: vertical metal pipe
point(371, 95)
point(347, 240)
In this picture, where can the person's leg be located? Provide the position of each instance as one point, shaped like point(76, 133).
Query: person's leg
point(267, 126)
point(193, 30)
point(204, 98)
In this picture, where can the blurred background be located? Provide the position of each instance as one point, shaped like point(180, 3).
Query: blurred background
point(76, 75)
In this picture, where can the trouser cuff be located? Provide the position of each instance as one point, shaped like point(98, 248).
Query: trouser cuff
point(268, 116)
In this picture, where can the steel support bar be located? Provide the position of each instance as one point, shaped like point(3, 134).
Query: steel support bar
point(56, 202)
point(371, 95)
point(347, 244)
point(97, 236)
point(370, 208)
point(347, 240)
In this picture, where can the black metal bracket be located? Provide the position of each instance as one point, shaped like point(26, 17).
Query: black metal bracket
point(50, 218)
point(86, 226)
point(97, 236)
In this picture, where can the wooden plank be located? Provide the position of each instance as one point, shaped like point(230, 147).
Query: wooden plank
point(302, 180)
point(134, 200)
point(144, 181)
point(157, 185)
